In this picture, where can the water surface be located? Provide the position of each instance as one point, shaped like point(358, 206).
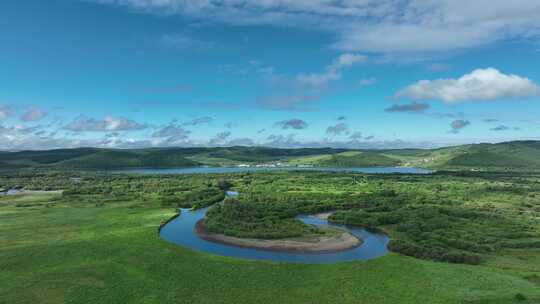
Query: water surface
point(195, 170)
point(181, 231)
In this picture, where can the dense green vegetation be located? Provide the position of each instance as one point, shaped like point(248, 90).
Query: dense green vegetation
point(91, 158)
point(249, 220)
point(128, 159)
point(452, 218)
point(97, 240)
point(507, 156)
point(519, 155)
point(452, 234)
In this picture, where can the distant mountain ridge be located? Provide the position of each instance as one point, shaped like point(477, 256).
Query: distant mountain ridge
point(508, 155)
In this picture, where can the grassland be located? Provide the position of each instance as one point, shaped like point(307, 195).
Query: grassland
point(75, 253)
point(98, 242)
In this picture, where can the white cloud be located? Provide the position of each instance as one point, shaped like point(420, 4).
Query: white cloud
point(355, 141)
point(332, 72)
point(33, 115)
point(299, 92)
point(480, 84)
point(345, 60)
point(371, 25)
point(5, 112)
point(413, 38)
point(109, 123)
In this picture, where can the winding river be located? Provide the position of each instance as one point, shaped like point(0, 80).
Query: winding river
point(181, 231)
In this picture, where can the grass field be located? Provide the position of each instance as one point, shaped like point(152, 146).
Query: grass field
point(57, 251)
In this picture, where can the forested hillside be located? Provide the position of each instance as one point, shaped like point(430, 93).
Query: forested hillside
point(518, 155)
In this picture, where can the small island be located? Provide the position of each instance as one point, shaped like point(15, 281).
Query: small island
point(242, 223)
point(326, 240)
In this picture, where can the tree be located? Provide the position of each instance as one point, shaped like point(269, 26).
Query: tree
point(224, 185)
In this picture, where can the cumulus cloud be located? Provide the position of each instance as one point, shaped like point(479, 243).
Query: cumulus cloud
point(33, 114)
point(408, 108)
point(198, 121)
point(295, 123)
point(371, 25)
point(34, 138)
point(109, 123)
point(339, 129)
point(480, 84)
point(458, 124)
point(289, 141)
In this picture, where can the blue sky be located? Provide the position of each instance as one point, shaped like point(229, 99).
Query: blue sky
point(358, 74)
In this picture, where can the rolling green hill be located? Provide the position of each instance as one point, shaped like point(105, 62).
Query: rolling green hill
point(518, 155)
point(508, 155)
point(89, 158)
point(350, 159)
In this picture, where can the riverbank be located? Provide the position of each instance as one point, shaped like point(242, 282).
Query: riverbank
point(323, 215)
point(339, 242)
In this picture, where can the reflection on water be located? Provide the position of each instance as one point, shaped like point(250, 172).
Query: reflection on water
point(181, 231)
point(195, 170)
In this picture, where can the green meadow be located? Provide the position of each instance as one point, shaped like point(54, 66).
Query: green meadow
point(85, 246)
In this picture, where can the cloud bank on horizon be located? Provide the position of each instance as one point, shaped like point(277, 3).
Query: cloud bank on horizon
point(282, 73)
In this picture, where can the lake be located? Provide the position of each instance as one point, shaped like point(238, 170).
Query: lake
point(181, 231)
point(200, 170)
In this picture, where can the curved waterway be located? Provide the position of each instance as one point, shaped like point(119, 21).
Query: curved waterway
point(207, 170)
point(181, 231)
